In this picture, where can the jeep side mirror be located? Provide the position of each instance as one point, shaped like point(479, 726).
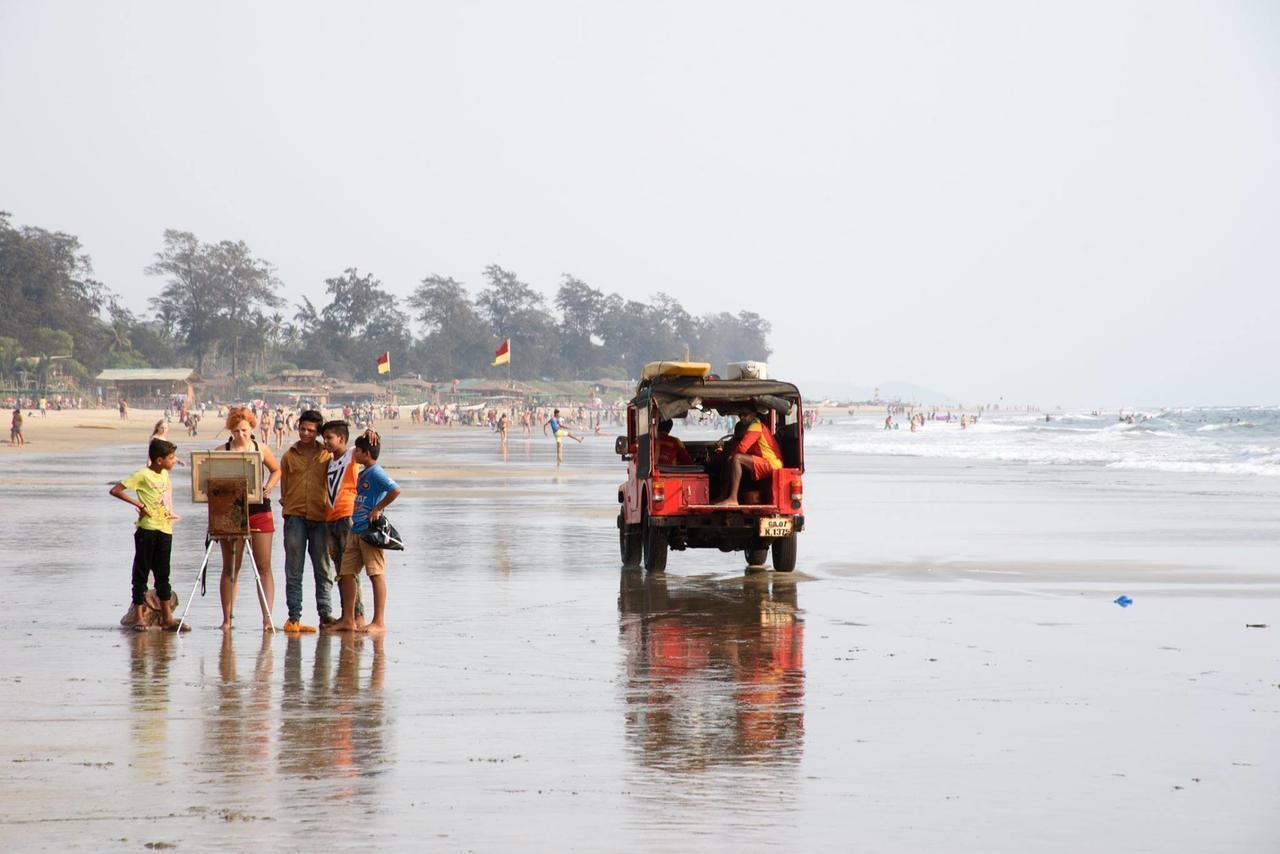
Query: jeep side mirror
point(620, 446)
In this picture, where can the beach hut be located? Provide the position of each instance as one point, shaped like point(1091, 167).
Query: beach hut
point(143, 386)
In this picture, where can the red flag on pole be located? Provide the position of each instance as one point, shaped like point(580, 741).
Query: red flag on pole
point(384, 363)
point(503, 354)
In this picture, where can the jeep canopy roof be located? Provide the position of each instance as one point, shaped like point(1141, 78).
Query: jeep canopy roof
point(675, 396)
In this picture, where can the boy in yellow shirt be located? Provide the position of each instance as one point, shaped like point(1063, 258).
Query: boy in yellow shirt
point(153, 538)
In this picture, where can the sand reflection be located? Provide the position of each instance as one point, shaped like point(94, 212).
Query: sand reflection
point(714, 671)
point(150, 657)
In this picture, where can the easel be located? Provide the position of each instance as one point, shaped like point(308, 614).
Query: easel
point(228, 499)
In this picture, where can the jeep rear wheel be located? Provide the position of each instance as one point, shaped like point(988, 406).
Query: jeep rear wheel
point(629, 542)
point(784, 554)
point(757, 557)
point(653, 544)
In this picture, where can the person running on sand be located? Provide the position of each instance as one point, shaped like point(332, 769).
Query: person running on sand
point(755, 454)
point(561, 433)
point(241, 423)
point(153, 534)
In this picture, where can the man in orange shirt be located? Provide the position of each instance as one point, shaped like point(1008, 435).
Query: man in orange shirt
point(340, 497)
point(755, 454)
point(670, 451)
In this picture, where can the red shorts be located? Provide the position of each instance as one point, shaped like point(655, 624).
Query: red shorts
point(262, 523)
point(760, 470)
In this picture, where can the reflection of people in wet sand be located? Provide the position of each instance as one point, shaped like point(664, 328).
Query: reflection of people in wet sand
point(241, 422)
point(238, 731)
point(153, 534)
point(756, 455)
point(150, 654)
point(560, 432)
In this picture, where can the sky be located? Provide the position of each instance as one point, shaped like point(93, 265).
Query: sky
point(1071, 203)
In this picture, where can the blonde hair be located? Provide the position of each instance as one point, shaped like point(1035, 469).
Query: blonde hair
point(238, 414)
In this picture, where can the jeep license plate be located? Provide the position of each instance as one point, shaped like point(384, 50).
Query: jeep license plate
point(775, 526)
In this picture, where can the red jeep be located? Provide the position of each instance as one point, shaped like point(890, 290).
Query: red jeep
point(667, 504)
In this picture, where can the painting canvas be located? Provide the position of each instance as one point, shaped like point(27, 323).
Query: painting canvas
point(243, 465)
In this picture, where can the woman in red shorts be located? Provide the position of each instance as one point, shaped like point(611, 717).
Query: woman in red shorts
point(241, 423)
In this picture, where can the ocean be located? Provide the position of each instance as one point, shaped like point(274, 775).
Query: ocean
point(1221, 440)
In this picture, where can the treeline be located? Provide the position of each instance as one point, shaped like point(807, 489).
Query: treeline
point(219, 309)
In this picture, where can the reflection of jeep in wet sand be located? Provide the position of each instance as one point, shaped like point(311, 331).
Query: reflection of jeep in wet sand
point(669, 500)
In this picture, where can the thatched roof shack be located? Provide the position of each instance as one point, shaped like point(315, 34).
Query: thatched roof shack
point(343, 393)
point(141, 386)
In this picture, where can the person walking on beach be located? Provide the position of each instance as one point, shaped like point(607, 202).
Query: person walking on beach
point(153, 534)
point(277, 428)
point(303, 470)
point(241, 423)
point(501, 430)
point(374, 491)
point(15, 428)
point(561, 433)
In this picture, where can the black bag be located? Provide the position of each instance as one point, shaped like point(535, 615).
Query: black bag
point(383, 534)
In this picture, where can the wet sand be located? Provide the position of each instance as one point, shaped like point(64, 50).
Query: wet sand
point(945, 671)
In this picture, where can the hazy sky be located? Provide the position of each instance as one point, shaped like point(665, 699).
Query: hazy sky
point(1072, 203)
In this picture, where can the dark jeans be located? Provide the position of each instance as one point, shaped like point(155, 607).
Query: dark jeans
point(338, 531)
point(151, 555)
point(303, 538)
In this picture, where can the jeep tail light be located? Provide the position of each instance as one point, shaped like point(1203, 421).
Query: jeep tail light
point(797, 493)
point(659, 492)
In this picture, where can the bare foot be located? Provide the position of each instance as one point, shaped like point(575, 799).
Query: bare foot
point(340, 626)
point(267, 627)
point(726, 502)
point(139, 627)
point(374, 628)
point(173, 626)
point(226, 625)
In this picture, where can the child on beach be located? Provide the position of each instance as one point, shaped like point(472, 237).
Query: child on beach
point(153, 537)
point(560, 432)
point(374, 491)
point(340, 500)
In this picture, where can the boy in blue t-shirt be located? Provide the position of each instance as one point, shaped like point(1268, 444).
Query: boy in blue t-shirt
point(374, 491)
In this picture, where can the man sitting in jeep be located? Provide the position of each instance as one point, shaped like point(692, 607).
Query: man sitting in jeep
point(756, 454)
point(670, 450)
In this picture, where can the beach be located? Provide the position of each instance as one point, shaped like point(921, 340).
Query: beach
point(947, 669)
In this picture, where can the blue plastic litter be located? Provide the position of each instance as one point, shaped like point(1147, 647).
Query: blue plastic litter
point(1123, 601)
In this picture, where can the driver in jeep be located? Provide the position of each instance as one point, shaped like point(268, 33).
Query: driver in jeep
point(755, 454)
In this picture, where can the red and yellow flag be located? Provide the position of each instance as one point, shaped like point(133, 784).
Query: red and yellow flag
point(503, 354)
point(384, 363)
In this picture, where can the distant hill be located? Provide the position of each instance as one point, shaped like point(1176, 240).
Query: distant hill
point(843, 390)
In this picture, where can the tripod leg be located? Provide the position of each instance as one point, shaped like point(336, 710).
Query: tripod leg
point(248, 547)
point(192, 597)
